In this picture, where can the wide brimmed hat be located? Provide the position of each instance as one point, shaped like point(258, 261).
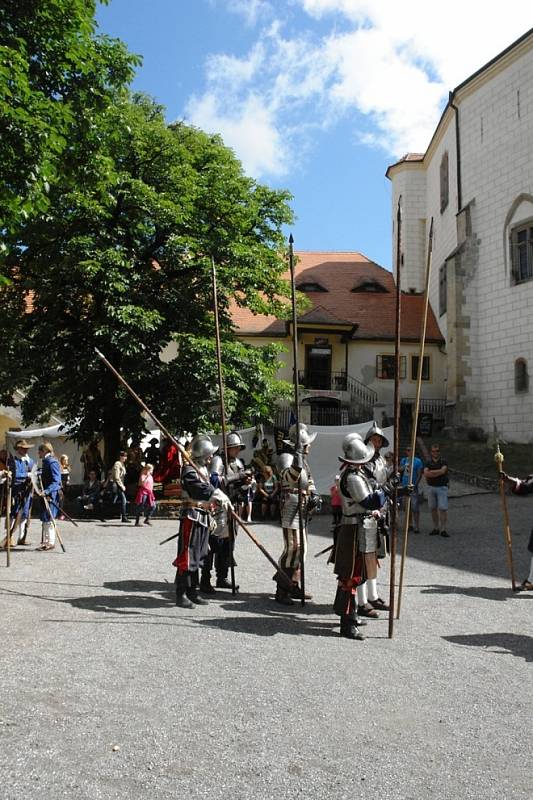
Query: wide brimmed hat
point(305, 437)
point(355, 450)
point(375, 430)
point(23, 443)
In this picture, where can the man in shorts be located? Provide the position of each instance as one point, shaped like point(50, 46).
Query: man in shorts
point(436, 475)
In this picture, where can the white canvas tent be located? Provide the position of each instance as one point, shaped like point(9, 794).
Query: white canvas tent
point(323, 457)
point(57, 436)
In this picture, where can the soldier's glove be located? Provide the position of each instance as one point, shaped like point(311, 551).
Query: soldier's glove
point(222, 499)
point(405, 491)
point(315, 503)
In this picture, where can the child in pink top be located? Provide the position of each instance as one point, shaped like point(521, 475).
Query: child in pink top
point(145, 498)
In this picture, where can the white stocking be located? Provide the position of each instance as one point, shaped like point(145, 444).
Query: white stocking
point(530, 579)
point(362, 597)
point(372, 584)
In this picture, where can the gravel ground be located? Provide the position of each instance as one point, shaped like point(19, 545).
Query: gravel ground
point(109, 691)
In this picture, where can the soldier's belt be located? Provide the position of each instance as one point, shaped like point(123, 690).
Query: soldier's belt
point(201, 506)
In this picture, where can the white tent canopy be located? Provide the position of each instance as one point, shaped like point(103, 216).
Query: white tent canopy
point(324, 453)
point(57, 436)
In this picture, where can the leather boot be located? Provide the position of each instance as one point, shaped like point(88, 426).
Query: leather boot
point(182, 586)
point(206, 587)
point(349, 629)
point(137, 521)
point(296, 592)
point(192, 591)
point(283, 593)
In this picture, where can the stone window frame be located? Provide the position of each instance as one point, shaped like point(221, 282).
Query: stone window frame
point(521, 376)
point(413, 370)
point(387, 373)
point(521, 252)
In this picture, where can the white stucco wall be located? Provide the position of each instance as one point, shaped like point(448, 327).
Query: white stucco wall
point(496, 139)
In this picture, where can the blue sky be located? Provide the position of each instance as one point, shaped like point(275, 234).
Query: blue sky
point(316, 96)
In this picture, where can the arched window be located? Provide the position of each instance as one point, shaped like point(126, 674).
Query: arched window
point(521, 378)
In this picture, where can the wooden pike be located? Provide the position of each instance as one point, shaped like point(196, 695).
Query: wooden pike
point(231, 524)
point(498, 458)
point(415, 410)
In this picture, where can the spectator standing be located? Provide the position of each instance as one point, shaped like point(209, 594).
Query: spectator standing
point(145, 498)
point(91, 459)
point(436, 475)
point(268, 490)
point(418, 471)
point(118, 477)
point(65, 479)
point(151, 455)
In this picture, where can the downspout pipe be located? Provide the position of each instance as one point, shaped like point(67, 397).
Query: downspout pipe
point(457, 151)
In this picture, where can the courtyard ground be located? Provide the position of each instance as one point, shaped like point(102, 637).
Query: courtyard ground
point(109, 691)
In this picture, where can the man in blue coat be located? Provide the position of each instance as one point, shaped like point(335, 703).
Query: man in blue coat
point(20, 465)
point(51, 483)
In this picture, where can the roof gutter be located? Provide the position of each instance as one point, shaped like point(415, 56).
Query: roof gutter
point(457, 151)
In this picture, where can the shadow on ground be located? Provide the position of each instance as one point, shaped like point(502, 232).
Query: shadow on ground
point(513, 644)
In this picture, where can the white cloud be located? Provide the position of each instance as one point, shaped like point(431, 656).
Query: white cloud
point(250, 129)
point(251, 10)
point(392, 62)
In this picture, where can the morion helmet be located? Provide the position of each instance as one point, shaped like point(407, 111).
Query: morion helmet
point(202, 449)
point(376, 430)
point(355, 450)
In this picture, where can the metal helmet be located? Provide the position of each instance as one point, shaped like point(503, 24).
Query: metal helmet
point(202, 449)
point(376, 430)
point(306, 438)
point(355, 450)
point(234, 440)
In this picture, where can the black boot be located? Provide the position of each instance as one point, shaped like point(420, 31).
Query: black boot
point(349, 629)
point(137, 521)
point(192, 591)
point(205, 583)
point(283, 593)
point(182, 587)
point(296, 592)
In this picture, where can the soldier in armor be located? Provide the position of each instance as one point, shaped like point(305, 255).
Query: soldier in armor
point(51, 484)
point(360, 500)
point(196, 521)
point(232, 478)
point(295, 476)
point(379, 472)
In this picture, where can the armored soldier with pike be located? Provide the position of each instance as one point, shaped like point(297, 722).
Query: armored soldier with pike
point(298, 498)
point(197, 521)
point(20, 465)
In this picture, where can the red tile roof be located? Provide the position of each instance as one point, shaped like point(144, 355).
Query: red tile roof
point(374, 313)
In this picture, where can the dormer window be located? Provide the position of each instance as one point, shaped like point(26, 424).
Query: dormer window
point(370, 286)
point(309, 286)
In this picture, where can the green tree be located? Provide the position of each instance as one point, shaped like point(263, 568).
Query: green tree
point(55, 76)
point(122, 261)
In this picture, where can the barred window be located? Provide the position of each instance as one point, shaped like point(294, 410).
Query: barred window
point(385, 367)
point(443, 289)
point(426, 372)
point(444, 182)
point(521, 378)
point(522, 253)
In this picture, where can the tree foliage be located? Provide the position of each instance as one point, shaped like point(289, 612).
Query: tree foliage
point(120, 259)
point(55, 76)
